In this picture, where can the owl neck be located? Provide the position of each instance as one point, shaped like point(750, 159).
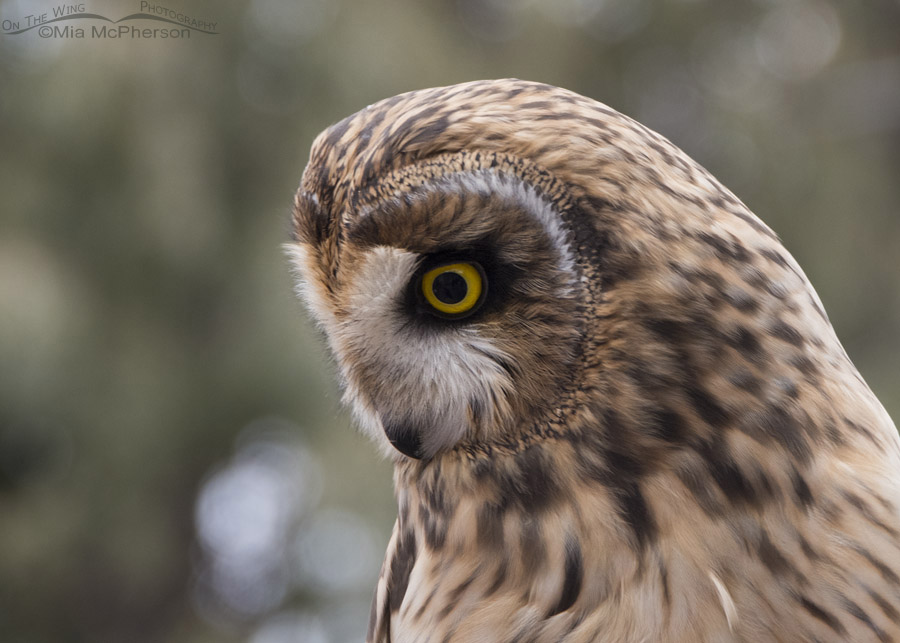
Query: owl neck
point(525, 519)
point(552, 473)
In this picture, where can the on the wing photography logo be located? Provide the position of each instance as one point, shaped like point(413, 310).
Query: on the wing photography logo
point(74, 21)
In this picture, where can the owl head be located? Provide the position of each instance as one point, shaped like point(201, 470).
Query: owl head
point(498, 262)
point(452, 305)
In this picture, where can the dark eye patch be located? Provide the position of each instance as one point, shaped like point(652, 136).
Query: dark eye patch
point(499, 278)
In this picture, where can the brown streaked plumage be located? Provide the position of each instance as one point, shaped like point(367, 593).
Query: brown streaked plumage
point(646, 430)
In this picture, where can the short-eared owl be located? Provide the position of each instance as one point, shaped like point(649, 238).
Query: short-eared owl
point(617, 409)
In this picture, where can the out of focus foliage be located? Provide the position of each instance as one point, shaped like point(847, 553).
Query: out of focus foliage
point(173, 462)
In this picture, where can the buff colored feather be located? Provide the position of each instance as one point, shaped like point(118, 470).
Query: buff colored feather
point(647, 431)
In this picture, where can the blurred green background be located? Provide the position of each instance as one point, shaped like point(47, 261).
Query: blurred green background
point(174, 464)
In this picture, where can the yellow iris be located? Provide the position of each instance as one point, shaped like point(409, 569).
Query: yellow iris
point(452, 289)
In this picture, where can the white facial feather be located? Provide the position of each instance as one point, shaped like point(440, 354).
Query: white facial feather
point(307, 286)
point(434, 376)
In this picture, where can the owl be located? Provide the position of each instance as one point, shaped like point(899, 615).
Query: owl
point(616, 408)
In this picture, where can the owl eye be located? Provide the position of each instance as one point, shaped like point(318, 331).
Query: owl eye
point(454, 290)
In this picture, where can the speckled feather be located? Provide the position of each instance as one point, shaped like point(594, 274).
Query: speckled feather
point(649, 433)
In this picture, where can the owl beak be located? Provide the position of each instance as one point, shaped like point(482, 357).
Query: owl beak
point(404, 437)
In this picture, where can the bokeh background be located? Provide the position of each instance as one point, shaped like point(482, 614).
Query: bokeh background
point(174, 464)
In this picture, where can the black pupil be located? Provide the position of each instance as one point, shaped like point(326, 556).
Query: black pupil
point(449, 287)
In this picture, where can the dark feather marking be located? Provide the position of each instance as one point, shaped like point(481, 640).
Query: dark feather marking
point(437, 500)
point(772, 557)
point(636, 513)
point(755, 224)
point(572, 578)
point(761, 281)
point(696, 483)
point(621, 462)
point(649, 377)
point(540, 105)
point(818, 308)
point(806, 366)
point(886, 572)
point(664, 579)
point(832, 432)
point(668, 425)
point(619, 471)
point(740, 300)
point(722, 198)
point(706, 406)
point(726, 473)
point(453, 597)
point(863, 431)
point(599, 124)
point(859, 613)
point(534, 551)
point(677, 334)
point(746, 381)
point(785, 332)
point(653, 176)
point(535, 486)
point(670, 330)
point(745, 341)
point(436, 508)
point(776, 423)
point(669, 158)
point(801, 489)
point(884, 502)
point(489, 527)
point(618, 267)
point(774, 256)
point(863, 507)
point(425, 604)
point(401, 568)
point(724, 250)
point(822, 615)
point(767, 488)
point(807, 549)
point(365, 135)
point(499, 577)
point(336, 133)
point(789, 387)
point(435, 529)
point(430, 132)
point(460, 589)
point(712, 279)
point(886, 607)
